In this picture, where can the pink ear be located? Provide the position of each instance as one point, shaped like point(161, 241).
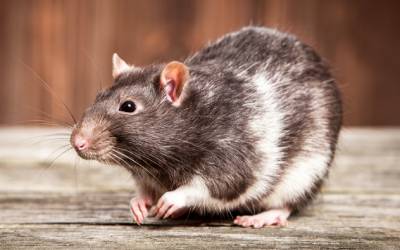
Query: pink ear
point(173, 81)
point(170, 90)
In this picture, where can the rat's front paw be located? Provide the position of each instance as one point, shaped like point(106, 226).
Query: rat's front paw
point(138, 208)
point(171, 204)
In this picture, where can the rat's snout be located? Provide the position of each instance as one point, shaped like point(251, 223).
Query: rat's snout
point(82, 139)
point(92, 140)
point(80, 142)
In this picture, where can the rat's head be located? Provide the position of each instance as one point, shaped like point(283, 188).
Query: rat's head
point(131, 119)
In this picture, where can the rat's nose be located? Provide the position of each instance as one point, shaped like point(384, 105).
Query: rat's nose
point(81, 143)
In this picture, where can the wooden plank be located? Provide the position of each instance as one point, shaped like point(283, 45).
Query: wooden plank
point(365, 174)
point(125, 236)
point(113, 208)
point(64, 178)
point(358, 167)
point(59, 207)
point(102, 220)
point(349, 174)
point(369, 141)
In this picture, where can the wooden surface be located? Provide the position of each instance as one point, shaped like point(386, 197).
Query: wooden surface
point(77, 204)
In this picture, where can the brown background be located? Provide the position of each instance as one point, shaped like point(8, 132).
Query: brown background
point(69, 44)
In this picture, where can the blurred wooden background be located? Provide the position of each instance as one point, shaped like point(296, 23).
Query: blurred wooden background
point(69, 43)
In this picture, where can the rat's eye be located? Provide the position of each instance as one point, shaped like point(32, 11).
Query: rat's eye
point(127, 107)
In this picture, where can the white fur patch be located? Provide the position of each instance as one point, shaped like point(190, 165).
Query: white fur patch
point(268, 126)
point(193, 194)
point(311, 165)
point(299, 179)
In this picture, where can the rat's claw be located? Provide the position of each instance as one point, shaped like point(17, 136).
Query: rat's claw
point(161, 210)
point(169, 205)
point(172, 210)
point(143, 208)
point(138, 208)
point(136, 212)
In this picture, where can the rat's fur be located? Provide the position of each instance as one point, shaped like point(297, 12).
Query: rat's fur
point(257, 128)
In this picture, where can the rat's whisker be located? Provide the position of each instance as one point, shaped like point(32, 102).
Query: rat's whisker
point(95, 67)
point(138, 151)
point(49, 89)
point(135, 162)
point(61, 147)
point(146, 157)
point(77, 159)
point(51, 118)
point(39, 122)
point(130, 159)
point(53, 135)
point(49, 141)
point(58, 156)
point(48, 166)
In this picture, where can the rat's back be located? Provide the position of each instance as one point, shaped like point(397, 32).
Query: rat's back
point(298, 109)
point(250, 48)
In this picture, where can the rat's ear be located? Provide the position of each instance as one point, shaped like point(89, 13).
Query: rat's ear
point(119, 66)
point(173, 80)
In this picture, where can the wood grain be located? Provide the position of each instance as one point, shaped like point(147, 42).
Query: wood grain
point(87, 207)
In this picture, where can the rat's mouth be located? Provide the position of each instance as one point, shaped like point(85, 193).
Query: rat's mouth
point(103, 157)
point(87, 155)
point(99, 151)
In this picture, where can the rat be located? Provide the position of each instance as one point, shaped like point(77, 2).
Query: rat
point(249, 123)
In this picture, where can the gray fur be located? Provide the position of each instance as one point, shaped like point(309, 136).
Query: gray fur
point(209, 135)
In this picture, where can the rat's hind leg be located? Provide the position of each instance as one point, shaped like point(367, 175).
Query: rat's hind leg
point(272, 217)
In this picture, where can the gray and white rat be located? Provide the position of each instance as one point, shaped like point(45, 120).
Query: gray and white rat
point(249, 123)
